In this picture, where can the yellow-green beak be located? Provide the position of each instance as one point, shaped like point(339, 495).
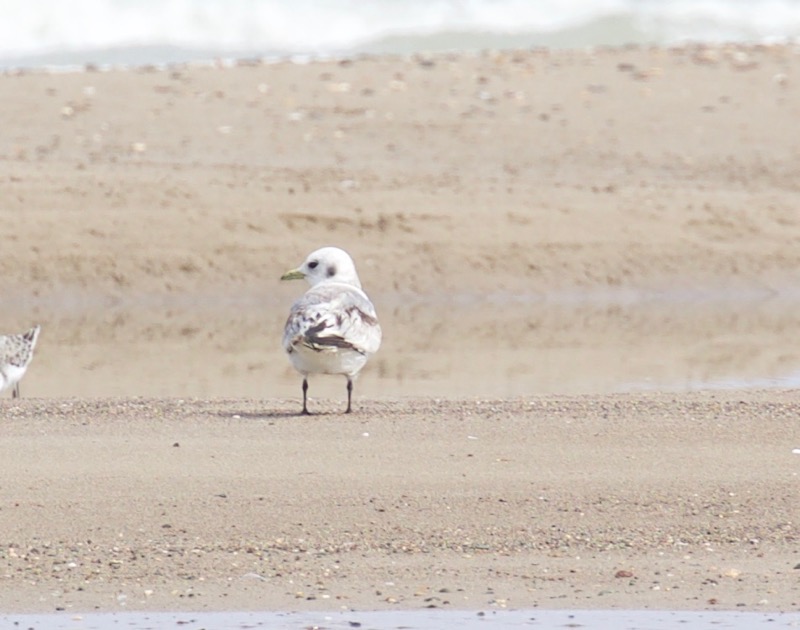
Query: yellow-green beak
point(294, 274)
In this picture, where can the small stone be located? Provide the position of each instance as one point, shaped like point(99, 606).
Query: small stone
point(781, 79)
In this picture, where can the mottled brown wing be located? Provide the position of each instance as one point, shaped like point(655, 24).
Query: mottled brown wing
point(333, 316)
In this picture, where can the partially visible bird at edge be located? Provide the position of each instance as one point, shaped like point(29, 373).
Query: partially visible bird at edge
point(16, 352)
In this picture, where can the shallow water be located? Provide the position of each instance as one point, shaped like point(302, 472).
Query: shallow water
point(411, 619)
point(449, 347)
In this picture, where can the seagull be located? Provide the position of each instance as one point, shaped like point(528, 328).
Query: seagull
point(333, 328)
point(16, 352)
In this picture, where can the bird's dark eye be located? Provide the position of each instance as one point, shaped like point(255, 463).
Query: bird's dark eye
point(313, 264)
point(331, 271)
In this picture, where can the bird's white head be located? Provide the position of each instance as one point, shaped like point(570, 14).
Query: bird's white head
point(329, 264)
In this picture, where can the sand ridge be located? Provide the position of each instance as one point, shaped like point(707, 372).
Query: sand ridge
point(643, 501)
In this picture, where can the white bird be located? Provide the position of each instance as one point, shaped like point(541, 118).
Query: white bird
point(333, 328)
point(16, 352)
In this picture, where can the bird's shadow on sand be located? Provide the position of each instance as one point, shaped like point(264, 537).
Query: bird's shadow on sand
point(274, 415)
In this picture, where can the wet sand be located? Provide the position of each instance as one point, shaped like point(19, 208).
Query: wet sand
point(529, 224)
point(420, 618)
point(431, 348)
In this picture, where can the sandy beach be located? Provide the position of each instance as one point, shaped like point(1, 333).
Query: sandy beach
point(528, 172)
point(539, 232)
point(638, 501)
point(549, 212)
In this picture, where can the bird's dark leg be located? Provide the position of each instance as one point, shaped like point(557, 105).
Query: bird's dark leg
point(349, 394)
point(305, 393)
point(15, 391)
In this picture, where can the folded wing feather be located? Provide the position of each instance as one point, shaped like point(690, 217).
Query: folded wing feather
point(333, 316)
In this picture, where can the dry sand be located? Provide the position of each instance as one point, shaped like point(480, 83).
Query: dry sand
point(529, 224)
point(654, 501)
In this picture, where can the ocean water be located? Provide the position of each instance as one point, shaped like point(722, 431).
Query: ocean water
point(133, 32)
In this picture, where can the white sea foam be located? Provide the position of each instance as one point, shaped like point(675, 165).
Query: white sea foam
point(153, 31)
